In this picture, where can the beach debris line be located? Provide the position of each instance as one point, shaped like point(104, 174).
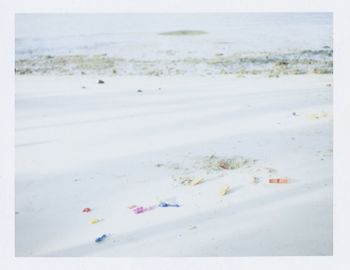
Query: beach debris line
point(278, 181)
point(87, 210)
point(101, 238)
point(271, 64)
point(224, 190)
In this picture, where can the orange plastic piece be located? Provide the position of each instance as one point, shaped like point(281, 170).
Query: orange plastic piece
point(278, 181)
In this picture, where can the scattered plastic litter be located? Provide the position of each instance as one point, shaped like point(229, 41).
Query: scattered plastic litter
point(164, 204)
point(140, 209)
point(101, 238)
point(87, 210)
point(95, 220)
point(224, 190)
point(278, 181)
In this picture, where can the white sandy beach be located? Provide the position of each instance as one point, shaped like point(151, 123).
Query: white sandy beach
point(227, 101)
point(107, 146)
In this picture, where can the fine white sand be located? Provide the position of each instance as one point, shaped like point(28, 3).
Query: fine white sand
point(107, 146)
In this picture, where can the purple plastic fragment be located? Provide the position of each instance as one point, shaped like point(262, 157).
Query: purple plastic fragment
point(141, 209)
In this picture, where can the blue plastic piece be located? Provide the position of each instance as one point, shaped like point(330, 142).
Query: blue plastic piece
point(164, 204)
point(101, 238)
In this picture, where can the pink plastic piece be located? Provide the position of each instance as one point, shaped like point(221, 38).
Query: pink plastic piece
point(139, 210)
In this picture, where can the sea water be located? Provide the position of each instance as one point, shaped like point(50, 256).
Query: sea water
point(137, 35)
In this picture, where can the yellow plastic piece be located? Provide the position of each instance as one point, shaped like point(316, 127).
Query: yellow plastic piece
point(94, 221)
point(317, 116)
point(196, 181)
point(224, 190)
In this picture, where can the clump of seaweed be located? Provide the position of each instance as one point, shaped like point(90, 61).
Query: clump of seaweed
point(219, 163)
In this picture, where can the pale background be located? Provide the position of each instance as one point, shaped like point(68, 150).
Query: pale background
point(341, 9)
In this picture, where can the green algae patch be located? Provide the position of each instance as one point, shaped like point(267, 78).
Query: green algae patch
point(184, 33)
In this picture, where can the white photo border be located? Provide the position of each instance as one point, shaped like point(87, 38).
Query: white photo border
point(341, 135)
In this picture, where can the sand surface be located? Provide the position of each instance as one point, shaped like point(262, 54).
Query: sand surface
point(109, 146)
